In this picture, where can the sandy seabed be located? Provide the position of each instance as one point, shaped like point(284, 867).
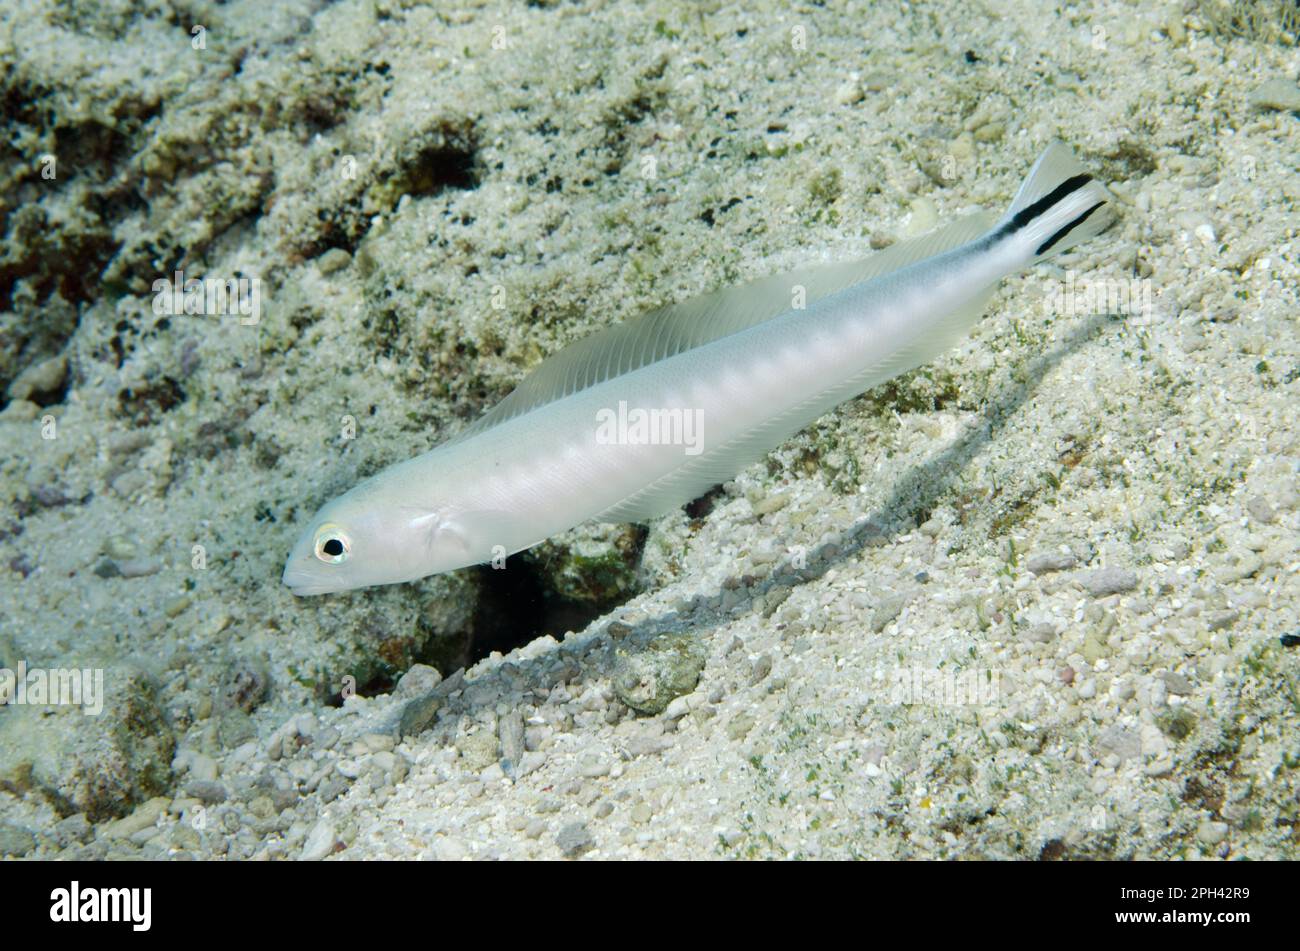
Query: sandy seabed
point(1030, 601)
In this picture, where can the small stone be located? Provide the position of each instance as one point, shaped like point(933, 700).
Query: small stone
point(740, 726)
point(139, 567)
point(1043, 633)
point(75, 828)
point(129, 483)
point(284, 798)
point(1222, 619)
point(1261, 511)
point(121, 445)
point(1174, 28)
point(648, 742)
point(1160, 766)
point(850, 93)
point(761, 668)
point(878, 80)
point(119, 547)
point(1043, 562)
point(203, 768)
point(574, 839)
point(450, 850)
point(331, 787)
point(773, 600)
point(245, 684)
point(887, 609)
point(678, 708)
point(418, 680)
point(15, 841)
point(642, 813)
point(548, 805)
point(235, 728)
point(536, 736)
point(1178, 723)
point(177, 605)
point(1212, 833)
point(335, 259)
point(531, 762)
point(1107, 581)
point(924, 216)
point(320, 841)
point(771, 503)
point(1280, 94)
point(477, 749)
point(1094, 648)
point(1240, 568)
point(20, 411)
point(185, 837)
point(649, 679)
point(1177, 683)
point(39, 378)
point(1251, 599)
point(143, 817)
point(418, 715)
point(207, 792)
point(49, 496)
point(1118, 741)
point(374, 743)
point(510, 733)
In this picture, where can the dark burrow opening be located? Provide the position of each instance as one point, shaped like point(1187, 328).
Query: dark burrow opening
point(445, 165)
point(514, 608)
point(517, 606)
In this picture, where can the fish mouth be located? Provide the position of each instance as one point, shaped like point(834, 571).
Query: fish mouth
point(301, 584)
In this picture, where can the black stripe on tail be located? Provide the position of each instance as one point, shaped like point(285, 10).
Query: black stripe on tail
point(1046, 245)
point(1027, 214)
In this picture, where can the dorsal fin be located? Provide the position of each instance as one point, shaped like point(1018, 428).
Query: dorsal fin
point(676, 328)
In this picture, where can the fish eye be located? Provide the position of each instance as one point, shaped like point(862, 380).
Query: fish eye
point(332, 545)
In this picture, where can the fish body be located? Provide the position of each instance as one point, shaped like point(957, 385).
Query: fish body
point(633, 421)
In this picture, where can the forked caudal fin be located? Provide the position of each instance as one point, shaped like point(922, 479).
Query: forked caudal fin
point(1058, 206)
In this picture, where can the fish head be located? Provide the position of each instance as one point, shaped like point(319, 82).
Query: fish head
point(358, 540)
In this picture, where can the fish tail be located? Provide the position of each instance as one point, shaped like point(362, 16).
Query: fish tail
point(1058, 206)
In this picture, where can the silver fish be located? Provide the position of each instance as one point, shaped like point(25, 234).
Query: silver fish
point(635, 420)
